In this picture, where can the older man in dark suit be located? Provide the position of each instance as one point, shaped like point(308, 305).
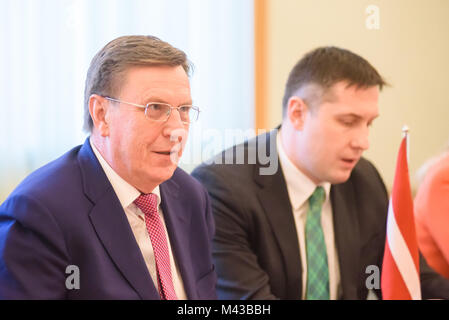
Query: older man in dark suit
point(307, 220)
point(115, 218)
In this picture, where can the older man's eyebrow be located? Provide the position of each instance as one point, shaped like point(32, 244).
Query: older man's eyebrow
point(161, 100)
point(152, 98)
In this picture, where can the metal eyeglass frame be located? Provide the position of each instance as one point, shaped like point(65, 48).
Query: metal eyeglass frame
point(166, 104)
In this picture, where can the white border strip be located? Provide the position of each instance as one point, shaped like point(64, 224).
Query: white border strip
point(402, 256)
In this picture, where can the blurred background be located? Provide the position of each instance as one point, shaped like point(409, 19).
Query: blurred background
point(47, 46)
point(242, 50)
point(408, 45)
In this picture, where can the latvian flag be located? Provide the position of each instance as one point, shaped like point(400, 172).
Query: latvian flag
point(400, 268)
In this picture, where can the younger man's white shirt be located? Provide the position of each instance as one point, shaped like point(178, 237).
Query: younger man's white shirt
point(300, 188)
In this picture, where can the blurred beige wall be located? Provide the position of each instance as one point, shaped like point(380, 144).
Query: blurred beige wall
point(410, 49)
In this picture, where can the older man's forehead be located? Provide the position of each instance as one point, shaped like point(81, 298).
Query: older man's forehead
point(152, 85)
point(182, 95)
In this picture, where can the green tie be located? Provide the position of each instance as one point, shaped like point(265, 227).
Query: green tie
point(317, 268)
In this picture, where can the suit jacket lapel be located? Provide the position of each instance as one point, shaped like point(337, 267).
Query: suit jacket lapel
point(112, 227)
point(347, 235)
point(275, 201)
point(177, 218)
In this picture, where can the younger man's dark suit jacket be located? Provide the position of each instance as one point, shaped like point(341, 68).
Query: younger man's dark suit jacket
point(256, 250)
point(67, 213)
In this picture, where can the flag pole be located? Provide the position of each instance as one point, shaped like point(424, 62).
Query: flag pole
point(405, 131)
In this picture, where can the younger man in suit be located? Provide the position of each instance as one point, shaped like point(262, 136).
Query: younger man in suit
point(116, 212)
point(307, 223)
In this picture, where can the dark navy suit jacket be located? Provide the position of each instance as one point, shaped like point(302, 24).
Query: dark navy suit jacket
point(67, 213)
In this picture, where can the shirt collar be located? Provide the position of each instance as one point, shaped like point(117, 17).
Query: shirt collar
point(125, 192)
point(299, 186)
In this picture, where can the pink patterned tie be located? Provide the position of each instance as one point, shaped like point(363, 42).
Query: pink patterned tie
point(148, 204)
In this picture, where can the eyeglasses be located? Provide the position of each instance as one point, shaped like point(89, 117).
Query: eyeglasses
point(158, 111)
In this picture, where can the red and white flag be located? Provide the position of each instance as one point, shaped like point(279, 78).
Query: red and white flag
point(400, 268)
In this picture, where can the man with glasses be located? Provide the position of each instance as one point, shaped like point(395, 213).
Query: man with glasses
point(116, 218)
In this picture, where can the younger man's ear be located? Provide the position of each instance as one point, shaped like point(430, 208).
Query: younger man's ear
point(296, 112)
point(98, 109)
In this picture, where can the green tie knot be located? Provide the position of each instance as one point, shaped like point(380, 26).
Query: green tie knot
point(317, 197)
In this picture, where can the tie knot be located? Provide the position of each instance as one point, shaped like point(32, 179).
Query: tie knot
point(317, 197)
point(147, 203)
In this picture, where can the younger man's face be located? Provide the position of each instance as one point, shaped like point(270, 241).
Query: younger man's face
point(335, 133)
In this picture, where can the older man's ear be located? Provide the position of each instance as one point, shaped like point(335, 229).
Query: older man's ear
point(98, 109)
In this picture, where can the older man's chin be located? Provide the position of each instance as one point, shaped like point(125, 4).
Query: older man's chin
point(148, 180)
point(165, 172)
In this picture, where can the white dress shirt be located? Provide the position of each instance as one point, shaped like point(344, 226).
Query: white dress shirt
point(126, 194)
point(300, 188)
